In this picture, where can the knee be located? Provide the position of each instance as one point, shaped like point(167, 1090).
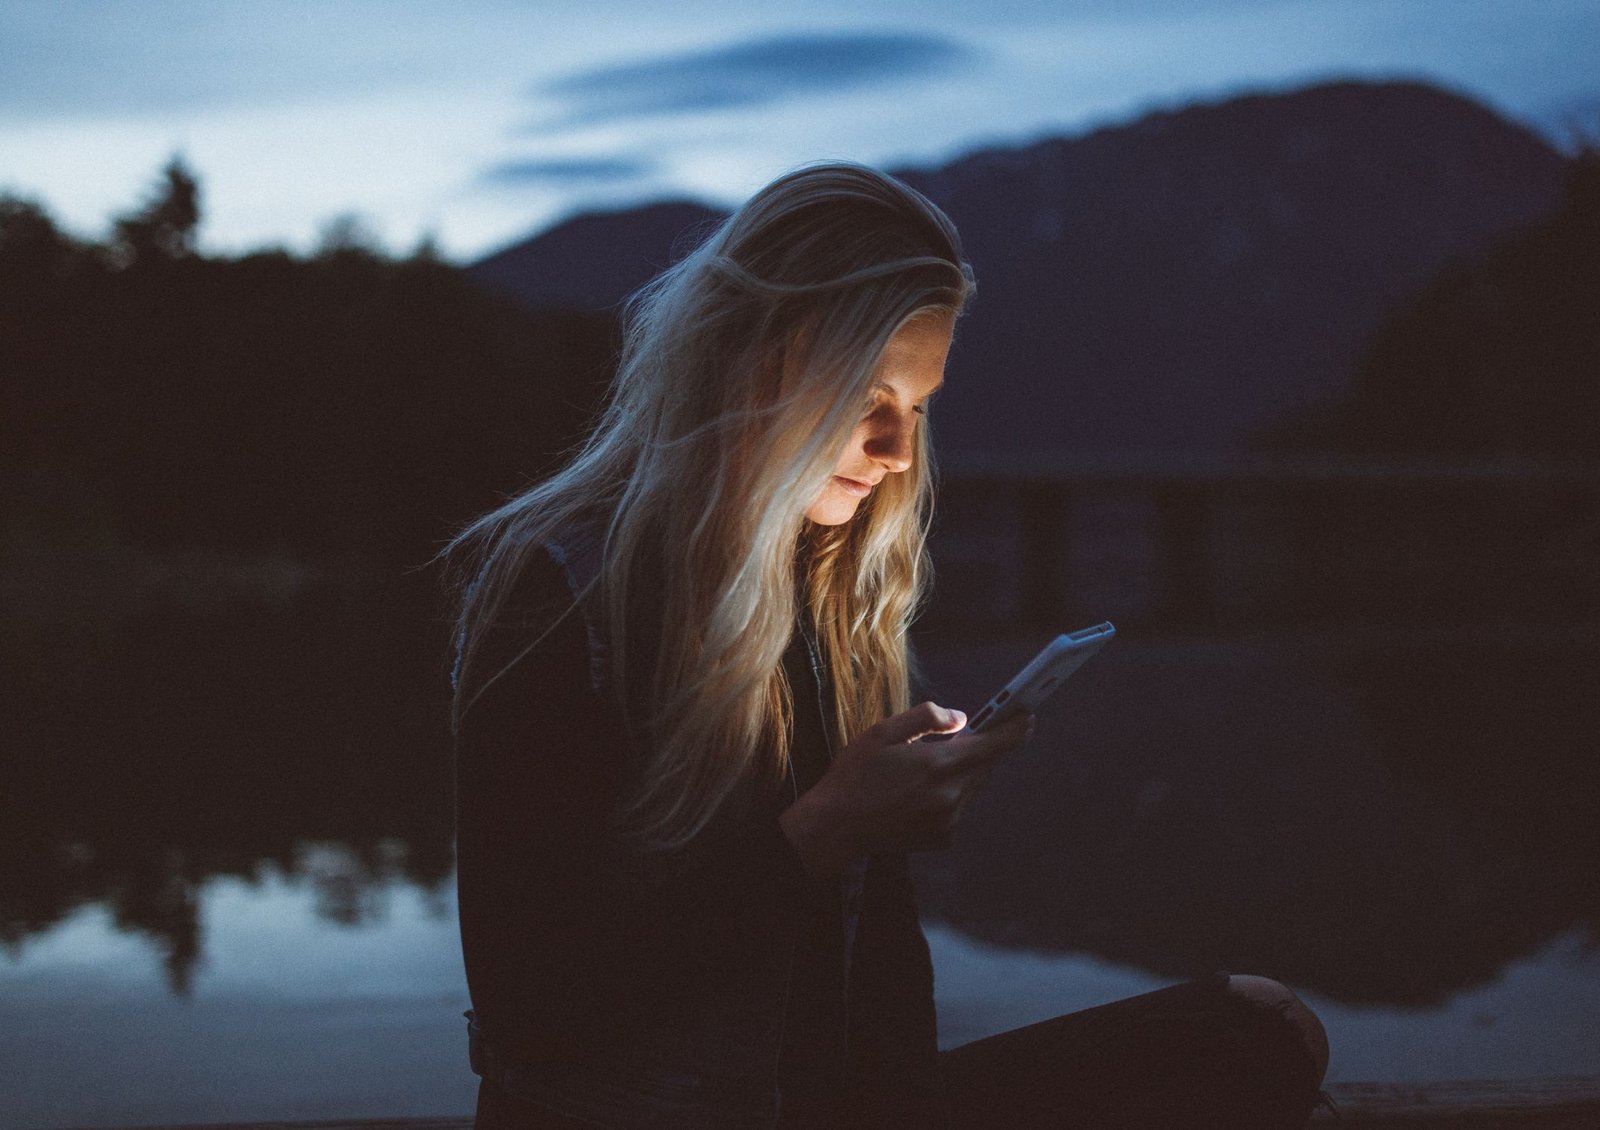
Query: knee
point(1281, 999)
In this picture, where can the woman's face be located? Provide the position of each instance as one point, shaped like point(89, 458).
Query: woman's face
point(883, 442)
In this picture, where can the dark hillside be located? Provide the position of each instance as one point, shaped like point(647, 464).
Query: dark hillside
point(592, 262)
point(1175, 283)
point(1498, 358)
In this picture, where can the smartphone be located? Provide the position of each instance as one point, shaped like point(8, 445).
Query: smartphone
point(1043, 675)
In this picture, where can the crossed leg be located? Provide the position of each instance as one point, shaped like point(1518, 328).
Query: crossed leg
point(1237, 1052)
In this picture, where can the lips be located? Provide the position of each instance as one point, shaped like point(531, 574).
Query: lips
point(854, 486)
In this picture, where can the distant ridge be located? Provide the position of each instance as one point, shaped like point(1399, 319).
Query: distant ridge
point(1172, 284)
point(594, 261)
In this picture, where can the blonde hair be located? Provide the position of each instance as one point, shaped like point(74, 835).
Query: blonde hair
point(744, 369)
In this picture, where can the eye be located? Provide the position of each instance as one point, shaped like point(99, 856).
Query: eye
point(920, 409)
point(874, 403)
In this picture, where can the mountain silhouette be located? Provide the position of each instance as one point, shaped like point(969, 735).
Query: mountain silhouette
point(1173, 284)
point(594, 261)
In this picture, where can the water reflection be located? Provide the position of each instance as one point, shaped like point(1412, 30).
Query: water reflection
point(289, 1017)
point(225, 884)
point(292, 1017)
point(1249, 805)
point(175, 747)
point(1383, 814)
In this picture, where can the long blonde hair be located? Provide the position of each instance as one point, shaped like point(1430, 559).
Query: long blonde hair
point(744, 369)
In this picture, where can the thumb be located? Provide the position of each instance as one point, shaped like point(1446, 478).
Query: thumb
point(924, 718)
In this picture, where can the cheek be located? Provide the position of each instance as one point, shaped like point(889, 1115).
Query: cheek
point(854, 450)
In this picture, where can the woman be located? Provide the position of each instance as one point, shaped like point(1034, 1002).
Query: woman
point(688, 764)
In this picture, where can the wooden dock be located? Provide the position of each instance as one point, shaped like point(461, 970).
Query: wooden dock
point(1564, 1103)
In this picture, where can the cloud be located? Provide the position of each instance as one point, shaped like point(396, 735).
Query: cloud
point(754, 73)
point(567, 172)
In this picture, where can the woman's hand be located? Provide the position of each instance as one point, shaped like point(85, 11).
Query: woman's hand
point(887, 791)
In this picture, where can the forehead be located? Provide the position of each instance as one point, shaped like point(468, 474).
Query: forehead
point(912, 362)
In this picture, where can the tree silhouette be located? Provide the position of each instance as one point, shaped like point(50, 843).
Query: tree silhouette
point(346, 404)
point(165, 228)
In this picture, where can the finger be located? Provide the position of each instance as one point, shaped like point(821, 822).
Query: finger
point(1020, 726)
point(1013, 734)
point(972, 776)
point(966, 752)
point(924, 718)
point(1010, 732)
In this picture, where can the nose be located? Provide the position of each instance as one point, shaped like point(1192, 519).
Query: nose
point(892, 443)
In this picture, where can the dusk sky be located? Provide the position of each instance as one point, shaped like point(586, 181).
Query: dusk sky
point(480, 122)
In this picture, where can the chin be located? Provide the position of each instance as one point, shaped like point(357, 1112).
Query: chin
point(833, 511)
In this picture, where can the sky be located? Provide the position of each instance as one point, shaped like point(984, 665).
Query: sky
point(474, 123)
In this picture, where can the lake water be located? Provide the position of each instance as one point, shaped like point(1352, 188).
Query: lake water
point(226, 889)
point(291, 1016)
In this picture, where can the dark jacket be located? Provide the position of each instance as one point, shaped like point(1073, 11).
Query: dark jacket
point(636, 989)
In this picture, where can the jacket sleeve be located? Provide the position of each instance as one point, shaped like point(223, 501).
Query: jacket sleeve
point(893, 1030)
point(534, 777)
point(557, 917)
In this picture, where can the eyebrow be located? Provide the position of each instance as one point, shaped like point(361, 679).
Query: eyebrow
point(891, 390)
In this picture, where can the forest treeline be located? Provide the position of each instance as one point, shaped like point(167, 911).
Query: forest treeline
point(340, 404)
point(348, 403)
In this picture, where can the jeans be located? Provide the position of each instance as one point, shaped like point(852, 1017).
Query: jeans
point(1193, 1056)
point(1189, 1056)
